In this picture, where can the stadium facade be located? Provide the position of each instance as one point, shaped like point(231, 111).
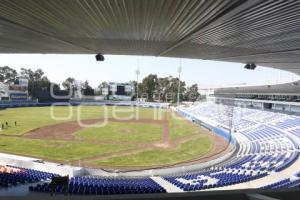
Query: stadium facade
point(280, 97)
point(14, 91)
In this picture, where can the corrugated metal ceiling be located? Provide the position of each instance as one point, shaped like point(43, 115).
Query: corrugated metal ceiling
point(262, 31)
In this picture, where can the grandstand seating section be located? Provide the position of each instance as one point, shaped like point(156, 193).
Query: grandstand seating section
point(265, 140)
point(12, 176)
point(105, 186)
point(285, 183)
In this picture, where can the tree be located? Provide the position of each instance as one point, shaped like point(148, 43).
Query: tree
point(104, 84)
point(69, 83)
point(166, 88)
point(37, 81)
point(87, 89)
point(8, 75)
point(134, 89)
point(192, 93)
point(33, 76)
point(149, 86)
point(101, 87)
point(172, 88)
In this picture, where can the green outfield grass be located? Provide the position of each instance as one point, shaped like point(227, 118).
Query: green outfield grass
point(63, 151)
point(35, 117)
point(122, 132)
point(189, 150)
point(180, 127)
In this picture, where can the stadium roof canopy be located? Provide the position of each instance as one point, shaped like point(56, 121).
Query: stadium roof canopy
point(281, 89)
point(266, 32)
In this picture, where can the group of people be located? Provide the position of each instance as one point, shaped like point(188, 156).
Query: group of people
point(11, 170)
point(6, 125)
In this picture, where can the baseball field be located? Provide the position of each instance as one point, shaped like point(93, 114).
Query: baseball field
point(105, 136)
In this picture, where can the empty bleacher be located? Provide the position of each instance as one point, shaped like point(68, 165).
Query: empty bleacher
point(104, 186)
point(267, 146)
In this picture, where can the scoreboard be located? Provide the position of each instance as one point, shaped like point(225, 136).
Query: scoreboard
point(120, 90)
point(123, 89)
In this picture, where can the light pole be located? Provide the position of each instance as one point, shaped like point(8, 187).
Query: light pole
point(137, 83)
point(179, 69)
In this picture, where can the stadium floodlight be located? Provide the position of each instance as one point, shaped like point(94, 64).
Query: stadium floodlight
point(137, 72)
point(179, 70)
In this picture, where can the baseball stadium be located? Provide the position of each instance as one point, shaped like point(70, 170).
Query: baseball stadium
point(238, 142)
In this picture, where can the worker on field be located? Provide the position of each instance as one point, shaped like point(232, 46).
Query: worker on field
point(15, 123)
point(6, 123)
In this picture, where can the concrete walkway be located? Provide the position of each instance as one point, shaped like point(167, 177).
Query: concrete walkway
point(170, 188)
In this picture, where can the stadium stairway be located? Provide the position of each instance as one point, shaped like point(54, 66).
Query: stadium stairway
point(170, 188)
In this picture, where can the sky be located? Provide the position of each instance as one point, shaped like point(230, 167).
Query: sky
point(118, 68)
